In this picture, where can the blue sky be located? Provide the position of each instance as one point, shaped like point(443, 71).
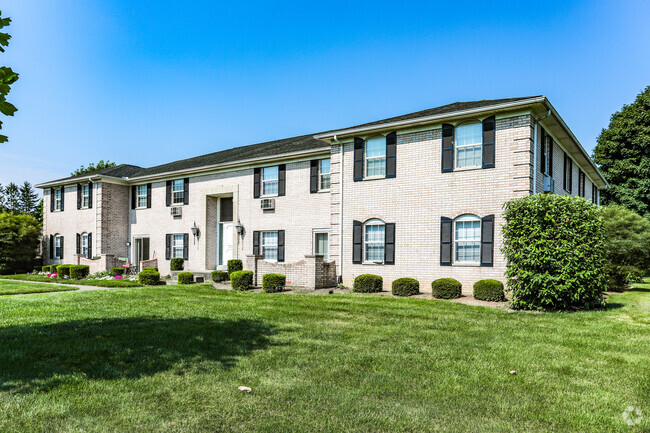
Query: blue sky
point(147, 82)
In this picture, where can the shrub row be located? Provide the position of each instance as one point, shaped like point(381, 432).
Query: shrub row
point(77, 272)
point(116, 271)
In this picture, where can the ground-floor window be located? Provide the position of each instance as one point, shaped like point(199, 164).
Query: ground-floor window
point(270, 245)
point(467, 239)
point(84, 244)
point(321, 243)
point(58, 250)
point(374, 233)
point(177, 252)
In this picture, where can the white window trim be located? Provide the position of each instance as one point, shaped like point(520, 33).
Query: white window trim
point(373, 158)
point(464, 218)
point(373, 222)
point(180, 192)
point(276, 180)
point(175, 246)
point(465, 146)
point(57, 200)
point(138, 196)
point(321, 174)
point(262, 246)
point(57, 246)
point(314, 242)
point(85, 196)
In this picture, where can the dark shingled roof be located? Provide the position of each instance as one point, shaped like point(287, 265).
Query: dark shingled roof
point(121, 170)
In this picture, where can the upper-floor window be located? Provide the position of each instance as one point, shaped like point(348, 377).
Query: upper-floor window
point(467, 239)
point(270, 176)
point(57, 199)
point(324, 174)
point(85, 195)
point(547, 154)
point(84, 244)
point(270, 245)
point(469, 142)
point(177, 247)
point(376, 157)
point(178, 193)
point(141, 195)
point(58, 246)
point(374, 234)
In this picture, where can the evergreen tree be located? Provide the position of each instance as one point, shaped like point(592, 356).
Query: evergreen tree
point(28, 199)
point(2, 199)
point(12, 198)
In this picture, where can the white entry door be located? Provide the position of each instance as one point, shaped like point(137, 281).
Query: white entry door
point(225, 245)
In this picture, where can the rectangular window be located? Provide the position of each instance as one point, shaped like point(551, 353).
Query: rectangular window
point(547, 154)
point(141, 193)
point(324, 174)
point(581, 184)
point(568, 173)
point(376, 157)
point(58, 254)
point(321, 244)
point(270, 245)
point(374, 242)
point(594, 194)
point(270, 180)
point(469, 141)
point(178, 192)
point(178, 246)
point(85, 196)
point(84, 244)
point(57, 199)
point(468, 240)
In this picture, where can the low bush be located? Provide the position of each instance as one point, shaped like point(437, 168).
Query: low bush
point(446, 288)
point(219, 276)
point(406, 287)
point(177, 264)
point(151, 268)
point(63, 271)
point(273, 283)
point(45, 268)
point(241, 280)
point(149, 277)
point(368, 283)
point(235, 265)
point(52, 268)
point(489, 290)
point(78, 272)
point(635, 275)
point(116, 271)
point(185, 278)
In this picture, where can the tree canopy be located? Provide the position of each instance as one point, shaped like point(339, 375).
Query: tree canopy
point(623, 154)
point(92, 167)
point(7, 77)
point(21, 200)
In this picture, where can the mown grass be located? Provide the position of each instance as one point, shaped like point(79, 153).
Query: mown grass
point(96, 283)
point(170, 358)
point(18, 288)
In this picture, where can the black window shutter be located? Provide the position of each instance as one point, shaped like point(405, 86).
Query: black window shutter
point(145, 248)
point(78, 243)
point(570, 190)
point(447, 148)
point(543, 152)
point(78, 196)
point(62, 196)
point(389, 244)
point(391, 151)
point(52, 195)
point(489, 129)
point(90, 195)
point(487, 240)
point(256, 243)
point(257, 177)
point(357, 242)
point(61, 252)
point(133, 195)
point(168, 192)
point(168, 247)
point(90, 245)
point(186, 191)
point(358, 159)
point(566, 172)
point(280, 245)
point(186, 245)
point(282, 179)
point(313, 176)
point(51, 246)
point(148, 196)
point(550, 156)
point(445, 241)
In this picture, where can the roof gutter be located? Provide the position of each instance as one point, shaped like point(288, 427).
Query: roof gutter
point(95, 177)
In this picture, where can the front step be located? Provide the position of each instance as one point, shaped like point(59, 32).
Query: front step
point(206, 275)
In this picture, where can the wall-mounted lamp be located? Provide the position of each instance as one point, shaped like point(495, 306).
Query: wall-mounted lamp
point(239, 228)
point(195, 229)
point(128, 244)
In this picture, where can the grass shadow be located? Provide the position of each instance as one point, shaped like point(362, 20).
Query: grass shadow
point(40, 356)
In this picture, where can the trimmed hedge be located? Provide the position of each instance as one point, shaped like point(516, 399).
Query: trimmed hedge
point(405, 287)
point(219, 276)
point(489, 290)
point(149, 277)
point(63, 271)
point(45, 268)
point(52, 268)
point(241, 280)
point(446, 288)
point(177, 264)
point(273, 283)
point(151, 268)
point(116, 271)
point(368, 283)
point(77, 272)
point(185, 278)
point(235, 265)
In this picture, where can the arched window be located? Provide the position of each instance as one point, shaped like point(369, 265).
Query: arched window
point(467, 239)
point(58, 251)
point(374, 235)
point(84, 244)
point(469, 140)
point(375, 154)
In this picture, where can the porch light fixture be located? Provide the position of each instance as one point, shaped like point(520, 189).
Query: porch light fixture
point(128, 244)
point(239, 228)
point(195, 229)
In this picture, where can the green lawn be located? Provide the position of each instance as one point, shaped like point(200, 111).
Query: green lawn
point(17, 288)
point(95, 283)
point(170, 358)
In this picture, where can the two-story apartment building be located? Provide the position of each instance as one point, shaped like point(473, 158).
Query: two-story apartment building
point(418, 195)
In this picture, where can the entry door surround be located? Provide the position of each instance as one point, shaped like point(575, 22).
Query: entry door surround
point(218, 192)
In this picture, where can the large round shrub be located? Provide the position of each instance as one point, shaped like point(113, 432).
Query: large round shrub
point(79, 272)
point(241, 280)
point(235, 265)
point(149, 277)
point(177, 264)
point(63, 271)
point(116, 271)
point(446, 288)
point(272, 283)
point(555, 250)
point(368, 283)
point(406, 287)
point(219, 276)
point(489, 290)
point(185, 278)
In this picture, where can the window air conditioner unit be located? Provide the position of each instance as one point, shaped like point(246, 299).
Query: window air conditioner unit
point(176, 211)
point(549, 184)
point(268, 203)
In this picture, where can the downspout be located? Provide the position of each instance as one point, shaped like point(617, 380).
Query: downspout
point(341, 177)
point(535, 151)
